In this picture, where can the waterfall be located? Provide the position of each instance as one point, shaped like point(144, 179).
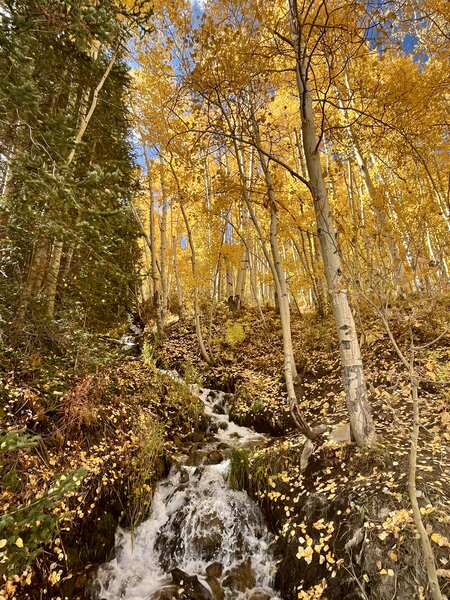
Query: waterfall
point(203, 540)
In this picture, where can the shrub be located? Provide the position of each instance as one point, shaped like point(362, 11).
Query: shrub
point(146, 468)
point(234, 333)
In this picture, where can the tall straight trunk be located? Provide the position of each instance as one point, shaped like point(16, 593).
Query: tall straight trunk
point(245, 262)
point(177, 276)
point(68, 260)
point(51, 281)
point(163, 230)
point(228, 265)
point(254, 293)
point(198, 330)
point(230, 280)
point(280, 280)
point(36, 271)
point(303, 256)
point(274, 262)
point(155, 275)
point(361, 423)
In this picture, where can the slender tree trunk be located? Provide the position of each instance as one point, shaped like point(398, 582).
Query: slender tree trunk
point(290, 371)
point(36, 272)
point(163, 229)
point(87, 117)
point(425, 540)
point(51, 281)
point(230, 282)
point(280, 281)
point(177, 278)
point(361, 423)
point(198, 330)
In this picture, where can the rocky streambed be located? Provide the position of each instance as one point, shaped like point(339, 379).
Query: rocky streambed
point(203, 540)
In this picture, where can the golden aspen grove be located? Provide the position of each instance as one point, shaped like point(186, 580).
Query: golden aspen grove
point(224, 299)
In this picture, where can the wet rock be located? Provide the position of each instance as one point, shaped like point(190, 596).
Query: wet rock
point(216, 588)
point(215, 569)
point(214, 458)
point(184, 476)
point(192, 587)
point(212, 394)
point(197, 437)
point(223, 446)
point(236, 435)
point(223, 425)
point(218, 409)
point(195, 458)
point(208, 540)
point(259, 595)
point(213, 428)
point(168, 592)
point(203, 422)
point(241, 577)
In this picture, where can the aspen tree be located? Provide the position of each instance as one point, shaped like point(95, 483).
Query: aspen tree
point(361, 423)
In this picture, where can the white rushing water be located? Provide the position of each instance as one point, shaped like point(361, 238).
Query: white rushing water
point(196, 520)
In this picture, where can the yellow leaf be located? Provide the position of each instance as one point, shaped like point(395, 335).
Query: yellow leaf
point(383, 572)
point(3, 543)
point(393, 556)
point(19, 543)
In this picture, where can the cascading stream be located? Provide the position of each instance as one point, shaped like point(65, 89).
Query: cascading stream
point(203, 540)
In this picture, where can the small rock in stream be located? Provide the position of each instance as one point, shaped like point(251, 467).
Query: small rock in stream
point(192, 587)
point(195, 458)
point(214, 458)
point(218, 409)
point(184, 476)
point(223, 446)
point(215, 569)
point(223, 425)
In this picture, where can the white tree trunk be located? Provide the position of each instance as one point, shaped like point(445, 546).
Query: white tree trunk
point(361, 424)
